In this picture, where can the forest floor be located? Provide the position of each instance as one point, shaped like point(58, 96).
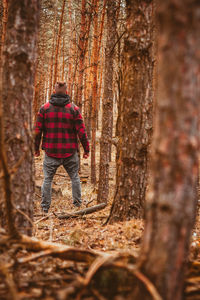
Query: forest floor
point(51, 278)
point(87, 231)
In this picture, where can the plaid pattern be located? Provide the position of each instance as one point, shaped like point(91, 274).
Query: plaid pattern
point(58, 126)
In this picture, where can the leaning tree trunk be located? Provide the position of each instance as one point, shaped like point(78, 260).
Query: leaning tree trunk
point(16, 92)
point(107, 105)
point(136, 113)
point(172, 196)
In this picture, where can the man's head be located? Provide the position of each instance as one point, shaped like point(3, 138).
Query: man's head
point(60, 87)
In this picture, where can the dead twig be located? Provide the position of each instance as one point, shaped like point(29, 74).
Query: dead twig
point(43, 218)
point(88, 203)
point(34, 256)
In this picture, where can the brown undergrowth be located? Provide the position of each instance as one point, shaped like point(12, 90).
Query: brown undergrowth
point(80, 258)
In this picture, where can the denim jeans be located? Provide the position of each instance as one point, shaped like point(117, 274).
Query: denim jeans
point(50, 165)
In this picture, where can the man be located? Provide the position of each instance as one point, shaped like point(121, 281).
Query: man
point(58, 123)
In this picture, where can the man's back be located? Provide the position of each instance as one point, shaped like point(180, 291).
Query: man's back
point(60, 122)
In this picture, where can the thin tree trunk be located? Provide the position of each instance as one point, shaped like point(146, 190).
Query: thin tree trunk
point(99, 93)
point(58, 43)
point(94, 93)
point(36, 92)
point(101, 26)
point(63, 59)
point(101, 66)
point(16, 89)
point(75, 66)
point(136, 112)
point(87, 103)
point(69, 76)
point(52, 52)
point(172, 196)
point(103, 189)
point(4, 23)
point(81, 53)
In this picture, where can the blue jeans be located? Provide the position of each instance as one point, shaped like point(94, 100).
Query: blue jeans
point(50, 165)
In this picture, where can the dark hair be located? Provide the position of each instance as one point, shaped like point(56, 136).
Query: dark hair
point(60, 84)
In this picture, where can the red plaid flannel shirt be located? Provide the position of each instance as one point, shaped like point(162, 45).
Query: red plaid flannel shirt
point(58, 126)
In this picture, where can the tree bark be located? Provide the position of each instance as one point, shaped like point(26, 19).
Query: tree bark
point(103, 188)
point(81, 54)
point(4, 22)
point(70, 60)
point(16, 100)
point(172, 196)
point(58, 44)
point(94, 93)
point(100, 63)
point(135, 126)
point(52, 52)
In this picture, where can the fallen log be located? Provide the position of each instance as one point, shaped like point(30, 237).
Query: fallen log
point(82, 212)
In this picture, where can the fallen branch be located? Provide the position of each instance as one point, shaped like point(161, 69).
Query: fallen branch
point(56, 250)
point(49, 249)
point(82, 212)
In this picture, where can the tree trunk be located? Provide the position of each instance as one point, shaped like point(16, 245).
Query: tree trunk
point(99, 72)
point(70, 61)
point(16, 93)
point(58, 43)
point(87, 102)
point(81, 54)
point(63, 59)
point(94, 93)
point(52, 52)
point(4, 23)
point(172, 196)
point(135, 128)
point(107, 105)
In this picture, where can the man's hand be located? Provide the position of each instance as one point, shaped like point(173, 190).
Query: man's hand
point(37, 153)
point(85, 155)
